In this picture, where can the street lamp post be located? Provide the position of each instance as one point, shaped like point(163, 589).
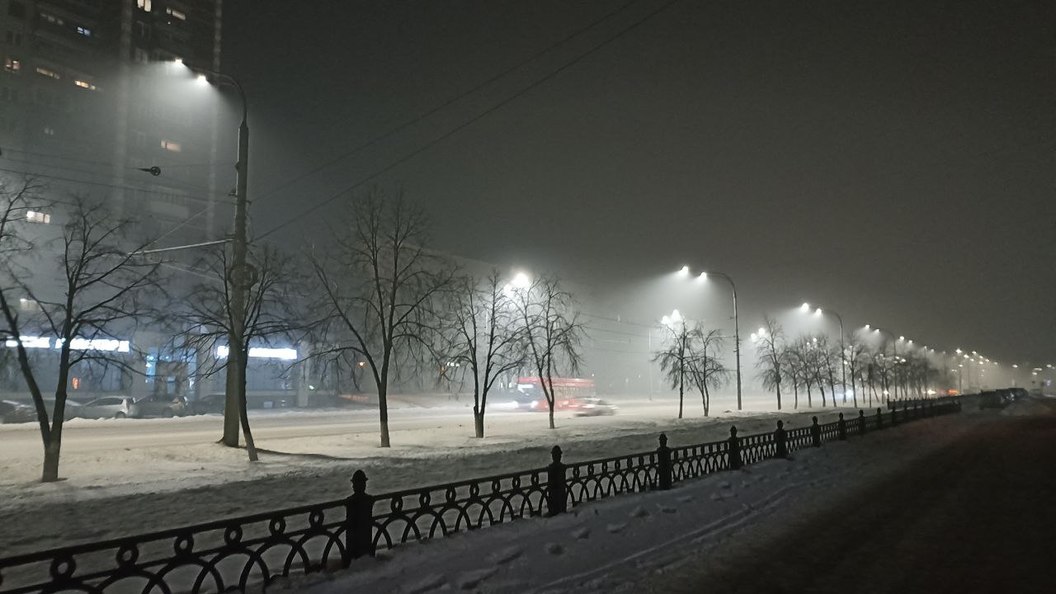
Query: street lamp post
point(736, 327)
point(241, 275)
point(843, 347)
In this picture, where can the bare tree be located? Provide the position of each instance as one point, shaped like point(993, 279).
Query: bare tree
point(206, 318)
point(103, 290)
point(380, 289)
point(769, 345)
point(484, 336)
point(676, 357)
point(553, 334)
point(706, 369)
point(855, 358)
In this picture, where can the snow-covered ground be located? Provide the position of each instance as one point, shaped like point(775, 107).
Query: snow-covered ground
point(112, 490)
point(614, 544)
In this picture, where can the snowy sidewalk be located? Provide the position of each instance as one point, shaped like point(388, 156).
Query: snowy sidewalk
point(611, 545)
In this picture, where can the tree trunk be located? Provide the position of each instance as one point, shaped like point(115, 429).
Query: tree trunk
point(810, 397)
point(707, 399)
point(383, 414)
point(681, 393)
point(51, 458)
point(478, 422)
point(779, 395)
point(232, 398)
point(552, 426)
point(243, 411)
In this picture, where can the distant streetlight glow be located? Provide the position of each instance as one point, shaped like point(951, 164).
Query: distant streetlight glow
point(684, 271)
point(521, 280)
point(804, 308)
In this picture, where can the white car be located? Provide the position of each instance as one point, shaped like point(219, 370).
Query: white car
point(594, 407)
point(108, 407)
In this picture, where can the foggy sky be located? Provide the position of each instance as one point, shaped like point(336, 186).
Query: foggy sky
point(891, 160)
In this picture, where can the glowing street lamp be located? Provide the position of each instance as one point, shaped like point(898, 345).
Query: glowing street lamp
point(684, 272)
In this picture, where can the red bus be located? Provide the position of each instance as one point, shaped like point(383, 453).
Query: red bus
point(568, 391)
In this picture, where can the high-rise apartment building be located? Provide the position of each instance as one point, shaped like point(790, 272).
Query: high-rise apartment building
point(93, 96)
point(92, 93)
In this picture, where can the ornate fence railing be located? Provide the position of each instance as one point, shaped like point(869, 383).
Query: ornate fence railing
point(252, 551)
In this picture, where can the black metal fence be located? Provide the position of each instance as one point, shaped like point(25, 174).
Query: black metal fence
point(238, 553)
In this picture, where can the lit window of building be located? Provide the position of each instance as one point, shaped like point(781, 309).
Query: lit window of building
point(143, 5)
point(85, 85)
point(84, 31)
point(54, 20)
point(176, 14)
point(12, 65)
point(171, 146)
point(49, 131)
point(34, 216)
point(48, 72)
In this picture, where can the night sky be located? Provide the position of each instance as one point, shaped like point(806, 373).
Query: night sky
point(892, 160)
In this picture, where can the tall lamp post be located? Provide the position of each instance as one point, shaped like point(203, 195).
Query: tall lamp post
point(241, 276)
point(736, 324)
point(843, 348)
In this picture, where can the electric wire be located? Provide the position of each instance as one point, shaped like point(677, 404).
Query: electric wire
point(449, 102)
point(518, 94)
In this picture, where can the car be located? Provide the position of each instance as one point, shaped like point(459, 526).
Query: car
point(594, 407)
point(109, 407)
point(16, 412)
point(210, 403)
point(160, 405)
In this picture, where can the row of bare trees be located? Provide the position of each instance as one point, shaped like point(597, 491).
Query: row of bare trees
point(811, 363)
point(379, 298)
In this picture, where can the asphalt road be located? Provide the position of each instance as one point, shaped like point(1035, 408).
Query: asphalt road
point(976, 516)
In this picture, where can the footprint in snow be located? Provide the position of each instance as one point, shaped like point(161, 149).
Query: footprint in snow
point(554, 548)
point(639, 512)
point(581, 533)
point(615, 528)
point(429, 582)
point(471, 579)
point(505, 555)
point(667, 509)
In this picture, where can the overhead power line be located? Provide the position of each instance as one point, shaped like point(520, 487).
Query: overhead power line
point(428, 145)
point(454, 99)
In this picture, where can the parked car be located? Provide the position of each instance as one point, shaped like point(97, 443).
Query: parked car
point(160, 405)
point(16, 412)
point(109, 407)
point(210, 403)
point(594, 407)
